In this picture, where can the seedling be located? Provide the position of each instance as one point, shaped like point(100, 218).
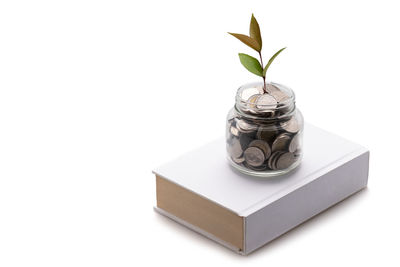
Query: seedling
point(255, 42)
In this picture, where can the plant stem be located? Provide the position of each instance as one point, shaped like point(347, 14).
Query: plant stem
point(262, 66)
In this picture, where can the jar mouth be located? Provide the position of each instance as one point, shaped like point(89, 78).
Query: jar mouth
point(252, 99)
point(258, 88)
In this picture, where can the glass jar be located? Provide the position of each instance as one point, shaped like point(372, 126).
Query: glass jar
point(264, 130)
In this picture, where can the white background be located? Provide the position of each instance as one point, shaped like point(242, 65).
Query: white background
point(95, 94)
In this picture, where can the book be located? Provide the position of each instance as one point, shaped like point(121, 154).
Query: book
point(203, 192)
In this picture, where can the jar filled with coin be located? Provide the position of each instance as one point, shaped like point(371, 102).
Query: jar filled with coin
point(264, 130)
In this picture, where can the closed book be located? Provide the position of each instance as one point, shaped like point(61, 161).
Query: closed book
point(203, 192)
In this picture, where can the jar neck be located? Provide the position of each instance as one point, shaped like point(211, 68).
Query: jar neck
point(278, 102)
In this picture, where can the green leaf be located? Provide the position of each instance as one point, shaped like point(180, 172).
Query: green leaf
point(251, 64)
point(248, 41)
point(255, 30)
point(272, 59)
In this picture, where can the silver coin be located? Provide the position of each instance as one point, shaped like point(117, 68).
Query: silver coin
point(269, 162)
point(266, 102)
point(272, 159)
point(265, 113)
point(291, 126)
point(234, 131)
point(285, 161)
point(280, 96)
point(238, 160)
point(277, 158)
point(249, 92)
point(281, 142)
point(235, 149)
point(271, 88)
point(294, 143)
point(254, 156)
point(250, 106)
point(258, 168)
point(263, 146)
point(245, 127)
point(252, 101)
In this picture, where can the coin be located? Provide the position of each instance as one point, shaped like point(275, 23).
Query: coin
point(271, 88)
point(248, 107)
point(249, 92)
point(285, 160)
point(272, 159)
point(263, 167)
point(263, 146)
point(251, 104)
point(280, 96)
point(281, 142)
point(266, 102)
point(238, 160)
point(235, 149)
point(245, 127)
point(253, 100)
point(254, 156)
point(291, 126)
point(234, 131)
point(294, 143)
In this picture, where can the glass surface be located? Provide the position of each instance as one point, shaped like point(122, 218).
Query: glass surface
point(264, 130)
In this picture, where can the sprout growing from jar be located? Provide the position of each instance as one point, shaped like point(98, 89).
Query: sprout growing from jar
point(255, 42)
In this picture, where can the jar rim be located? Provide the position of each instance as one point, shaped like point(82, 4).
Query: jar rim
point(259, 85)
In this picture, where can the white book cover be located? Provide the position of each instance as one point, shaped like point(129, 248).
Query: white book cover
point(332, 168)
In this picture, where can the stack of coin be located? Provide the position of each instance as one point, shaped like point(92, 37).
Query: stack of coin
point(270, 103)
point(271, 143)
point(264, 148)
